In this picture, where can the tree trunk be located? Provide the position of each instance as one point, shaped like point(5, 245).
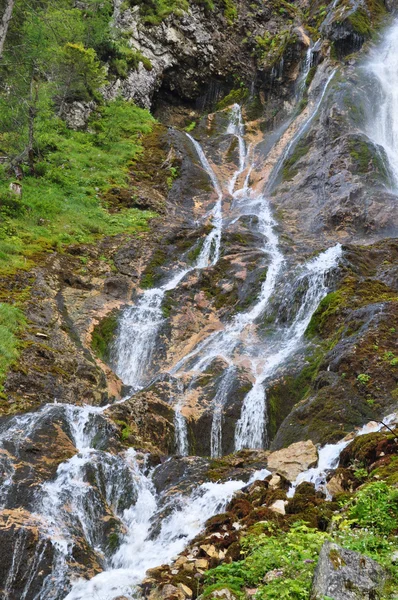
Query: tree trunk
point(5, 21)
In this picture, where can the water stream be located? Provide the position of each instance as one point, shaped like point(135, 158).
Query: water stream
point(95, 485)
point(382, 126)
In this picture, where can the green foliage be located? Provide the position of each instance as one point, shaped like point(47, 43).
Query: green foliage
point(376, 507)
point(294, 554)
point(155, 11)
point(125, 431)
point(61, 203)
point(190, 127)
point(12, 321)
point(234, 97)
point(80, 74)
point(173, 175)
point(363, 378)
point(103, 336)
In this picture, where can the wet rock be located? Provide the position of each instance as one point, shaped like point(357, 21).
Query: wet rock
point(293, 460)
point(346, 575)
point(118, 287)
point(25, 556)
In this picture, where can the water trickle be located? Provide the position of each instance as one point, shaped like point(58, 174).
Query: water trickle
point(180, 424)
point(382, 127)
point(218, 404)
point(251, 427)
point(329, 457)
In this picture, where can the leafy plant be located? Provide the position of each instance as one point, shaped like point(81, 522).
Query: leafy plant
point(363, 378)
point(294, 554)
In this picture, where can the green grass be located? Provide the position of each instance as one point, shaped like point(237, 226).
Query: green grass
point(12, 321)
point(368, 524)
point(62, 204)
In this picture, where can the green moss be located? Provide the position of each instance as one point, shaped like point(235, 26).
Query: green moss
point(113, 542)
point(12, 323)
point(271, 47)
point(103, 336)
point(360, 22)
point(362, 155)
point(230, 11)
point(310, 76)
point(151, 274)
point(289, 169)
point(351, 294)
point(236, 96)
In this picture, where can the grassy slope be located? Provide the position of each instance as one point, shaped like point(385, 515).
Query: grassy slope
point(62, 204)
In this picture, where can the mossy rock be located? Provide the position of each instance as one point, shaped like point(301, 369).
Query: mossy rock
point(153, 272)
point(103, 336)
point(367, 448)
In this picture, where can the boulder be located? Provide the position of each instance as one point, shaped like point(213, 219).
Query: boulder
point(295, 459)
point(346, 575)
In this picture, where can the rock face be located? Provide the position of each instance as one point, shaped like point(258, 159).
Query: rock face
point(345, 575)
point(295, 459)
point(195, 55)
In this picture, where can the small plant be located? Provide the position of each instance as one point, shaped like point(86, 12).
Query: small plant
point(190, 127)
point(173, 175)
point(363, 378)
point(361, 473)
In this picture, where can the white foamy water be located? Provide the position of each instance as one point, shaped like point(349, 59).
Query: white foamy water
point(329, 457)
point(250, 429)
point(140, 551)
point(382, 128)
point(95, 485)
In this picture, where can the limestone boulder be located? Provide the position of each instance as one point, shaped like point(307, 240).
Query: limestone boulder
point(295, 459)
point(346, 575)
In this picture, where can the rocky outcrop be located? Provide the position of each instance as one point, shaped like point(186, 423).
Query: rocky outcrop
point(196, 54)
point(346, 575)
point(293, 460)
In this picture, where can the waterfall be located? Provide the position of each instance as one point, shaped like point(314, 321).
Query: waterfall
point(212, 244)
point(96, 487)
point(218, 406)
point(235, 342)
point(140, 324)
point(250, 429)
point(140, 550)
point(329, 457)
point(180, 424)
point(382, 126)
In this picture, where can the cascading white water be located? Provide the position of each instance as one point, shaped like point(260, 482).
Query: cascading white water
point(218, 407)
point(180, 424)
point(382, 127)
point(228, 343)
point(329, 456)
point(250, 429)
point(139, 325)
point(140, 551)
point(95, 483)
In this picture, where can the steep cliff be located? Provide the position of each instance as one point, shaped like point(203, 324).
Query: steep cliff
point(191, 298)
